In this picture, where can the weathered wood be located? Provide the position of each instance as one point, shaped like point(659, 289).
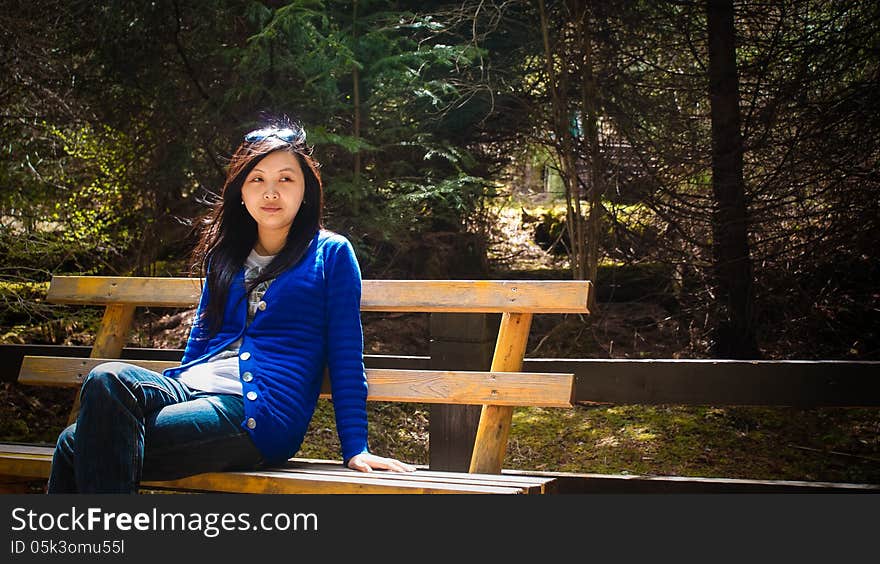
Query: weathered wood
point(110, 340)
point(474, 388)
point(12, 355)
point(495, 420)
point(798, 383)
point(465, 328)
point(463, 341)
point(807, 383)
point(279, 482)
point(113, 332)
point(478, 296)
point(592, 483)
point(25, 465)
point(35, 462)
point(526, 484)
point(497, 390)
point(143, 291)
point(27, 462)
point(429, 386)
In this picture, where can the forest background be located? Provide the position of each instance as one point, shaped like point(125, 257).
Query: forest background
point(710, 166)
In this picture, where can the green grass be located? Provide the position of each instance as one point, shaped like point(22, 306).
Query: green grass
point(767, 443)
point(825, 445)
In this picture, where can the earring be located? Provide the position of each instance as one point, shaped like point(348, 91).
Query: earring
point(242, 202)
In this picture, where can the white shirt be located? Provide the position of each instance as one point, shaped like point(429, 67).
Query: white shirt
point(219, 374)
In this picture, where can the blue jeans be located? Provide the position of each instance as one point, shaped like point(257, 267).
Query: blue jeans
point(135, 424)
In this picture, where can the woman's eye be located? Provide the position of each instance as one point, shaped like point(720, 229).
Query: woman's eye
point(256, 179)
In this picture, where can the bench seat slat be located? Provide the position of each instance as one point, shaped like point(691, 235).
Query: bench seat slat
point(35, 456)
point(35, 463)
point(335, 468)
point(472, 296)
point(473, 388)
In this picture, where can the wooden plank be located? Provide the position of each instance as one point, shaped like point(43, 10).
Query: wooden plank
point(109, 342)
point(449, 480)
point(27, 448)
point(335, 466)
point(25, 465)
point(12, 355)
point(113, 332)
point(495, 420)
point(292, 482)
point(807, 383)
point(465, 328)
point(417, 386)
point(328, 464)
point(143, 291)
point(592, 483)
point(31, 464)
point(458, 341)
point(472, 388)
point(530, 484)
point(478, 296)
point(798, 383)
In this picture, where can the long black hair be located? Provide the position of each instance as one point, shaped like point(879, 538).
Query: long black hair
point(229, 232)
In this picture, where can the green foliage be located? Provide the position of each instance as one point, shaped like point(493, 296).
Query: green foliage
point(101, 202)
point(22, 302)
point(166, 91)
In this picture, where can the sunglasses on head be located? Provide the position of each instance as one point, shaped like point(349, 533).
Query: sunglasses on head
point(286, 134)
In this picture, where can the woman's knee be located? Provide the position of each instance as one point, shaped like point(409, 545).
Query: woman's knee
point(65, 440)
point(103, 378)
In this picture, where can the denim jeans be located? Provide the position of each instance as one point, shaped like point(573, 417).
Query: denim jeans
point(135, 424)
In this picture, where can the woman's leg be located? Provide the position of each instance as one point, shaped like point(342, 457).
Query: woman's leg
point(204, 434)
point(136, 425)
point(62, 478)
point(103, 451)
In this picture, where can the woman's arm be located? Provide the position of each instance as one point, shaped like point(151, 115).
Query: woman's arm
point(197, 342)
point(345, 346)
point(345, 360)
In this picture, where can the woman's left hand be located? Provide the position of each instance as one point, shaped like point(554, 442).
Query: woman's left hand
point(367, 462)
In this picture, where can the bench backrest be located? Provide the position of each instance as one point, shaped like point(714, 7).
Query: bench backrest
point(498, 390)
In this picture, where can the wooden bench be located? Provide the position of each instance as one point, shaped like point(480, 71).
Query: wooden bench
point(498, 390)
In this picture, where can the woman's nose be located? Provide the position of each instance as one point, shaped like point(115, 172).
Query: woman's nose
point(270, 193)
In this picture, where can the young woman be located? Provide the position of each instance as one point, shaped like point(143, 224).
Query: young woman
point(281, 301)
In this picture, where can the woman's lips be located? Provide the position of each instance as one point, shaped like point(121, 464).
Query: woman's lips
point(269, 209)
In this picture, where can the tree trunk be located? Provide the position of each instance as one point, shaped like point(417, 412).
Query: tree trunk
point(566, 150)
point(589, 109)
point(734, 326)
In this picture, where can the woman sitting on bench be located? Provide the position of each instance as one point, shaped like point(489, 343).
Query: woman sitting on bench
point(281, 301)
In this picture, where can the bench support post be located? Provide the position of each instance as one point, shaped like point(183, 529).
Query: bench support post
point(109, 341)
point(462, 341)
point(495, 420)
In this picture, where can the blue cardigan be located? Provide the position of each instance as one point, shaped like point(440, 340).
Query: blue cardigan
point(311, 320)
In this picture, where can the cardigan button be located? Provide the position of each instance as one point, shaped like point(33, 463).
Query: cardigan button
point(252, 395)
point(247, 376)
point(251, 423)
point(261, 306)
point(245, 355)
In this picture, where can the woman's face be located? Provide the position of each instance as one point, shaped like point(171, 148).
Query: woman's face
point(273, 192)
